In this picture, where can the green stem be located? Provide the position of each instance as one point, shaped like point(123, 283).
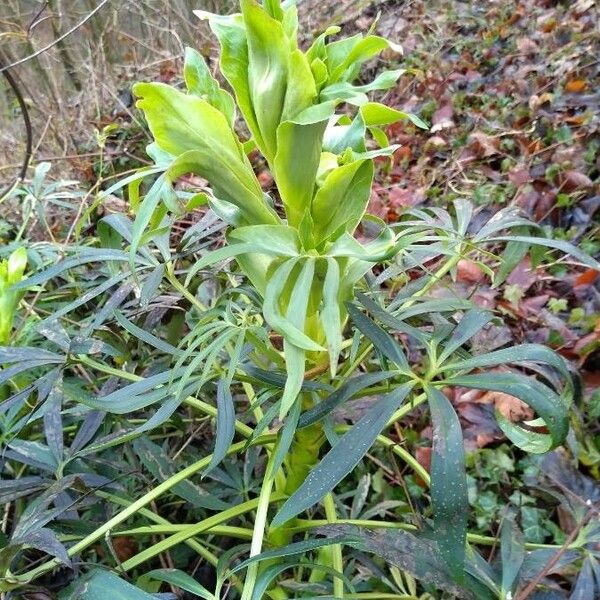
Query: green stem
point(201, 527)
point(167, 527)
point(170, 274)
point(260, 524)
point(475, 538)
point(335, 551)
point(241, 533)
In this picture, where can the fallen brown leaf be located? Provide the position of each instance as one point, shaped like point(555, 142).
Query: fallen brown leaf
point(483, 145)
point(574, 180)
point(469, 272)
point(511, 408)
point(442, 118)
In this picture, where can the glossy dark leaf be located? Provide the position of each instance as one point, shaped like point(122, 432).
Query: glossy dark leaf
point(53, 426)
point(100, 584)
point(548, 405)
point(343, 393)
point(296, 548)
point(344, 456)
point(385, 317)
point(45, 540)
point(225, 424)
point(416, 555)
point(177, 578)
point(448, 482)
point(380, 338)
point(471, 322)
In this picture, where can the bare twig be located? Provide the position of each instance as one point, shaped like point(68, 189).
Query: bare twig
point(37, 17)
point(57, 40)
point(530, 588)
point(28, 132)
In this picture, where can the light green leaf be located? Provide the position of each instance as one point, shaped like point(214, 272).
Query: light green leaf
point(330, 316)
point(296, 316)
point(374, 113)
point(296, 164)
point(360, 51)
point(274, 239)
point(342, 199)
point(357, 94)
point(204, 143)
point(200, 82)
point(267, 74)
point(272, 311)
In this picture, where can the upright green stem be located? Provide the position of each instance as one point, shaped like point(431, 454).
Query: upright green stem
point(335, 551)
point(260, 523)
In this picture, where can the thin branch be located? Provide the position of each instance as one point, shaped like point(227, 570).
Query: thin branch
point(37, 18)
point(28, 133)
point(530, 588)
point(56, 41)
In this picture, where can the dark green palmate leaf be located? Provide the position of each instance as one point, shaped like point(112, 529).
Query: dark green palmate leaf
point(471, 323)
point(225, 424)
point(161, 467)
point(295, 548)
point(344, 456)
point(382, 340)
point(343, 393)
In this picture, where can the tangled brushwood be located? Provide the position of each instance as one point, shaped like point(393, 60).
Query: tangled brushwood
point(268, 318)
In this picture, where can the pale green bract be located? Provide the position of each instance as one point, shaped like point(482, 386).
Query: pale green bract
point(305, 264)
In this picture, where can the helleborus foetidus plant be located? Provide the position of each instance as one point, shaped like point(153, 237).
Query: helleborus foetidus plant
point(298, 249)
point(305, 262)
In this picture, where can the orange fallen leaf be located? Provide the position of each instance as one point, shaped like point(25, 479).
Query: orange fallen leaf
point(575, 86)
point(402, 153)
point(265, 179)
point(587, 277)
